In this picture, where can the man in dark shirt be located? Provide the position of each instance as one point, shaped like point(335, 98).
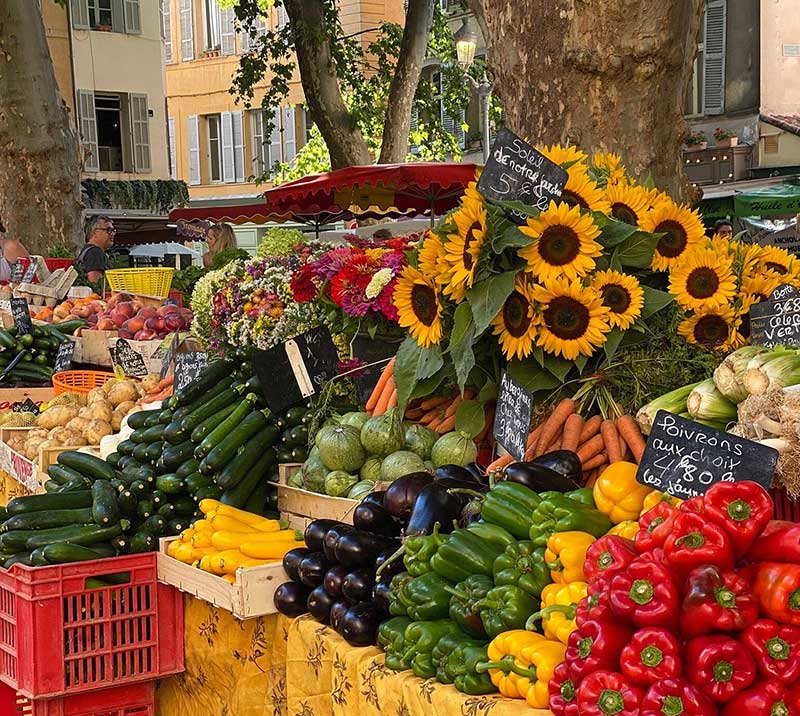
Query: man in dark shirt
point(92, 256)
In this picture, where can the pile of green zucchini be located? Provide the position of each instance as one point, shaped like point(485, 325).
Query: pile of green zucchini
point(38, 350)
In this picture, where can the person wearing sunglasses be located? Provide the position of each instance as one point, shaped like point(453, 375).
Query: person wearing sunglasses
point(92, 257)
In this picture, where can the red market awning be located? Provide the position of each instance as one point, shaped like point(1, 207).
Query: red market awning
point(257, 213)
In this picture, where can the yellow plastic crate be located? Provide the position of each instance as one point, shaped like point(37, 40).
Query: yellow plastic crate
point(144, 281)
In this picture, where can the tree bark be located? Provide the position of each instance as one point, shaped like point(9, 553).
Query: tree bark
point(419, 18)
point(603, 74)
point(344, 140)
point(40, 201)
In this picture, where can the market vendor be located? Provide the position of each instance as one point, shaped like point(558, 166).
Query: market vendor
point(92, 257)
point(11, 250)
point(220, 238)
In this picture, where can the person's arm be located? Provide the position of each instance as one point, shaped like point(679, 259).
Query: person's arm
point(14, 250)
point(94, 276)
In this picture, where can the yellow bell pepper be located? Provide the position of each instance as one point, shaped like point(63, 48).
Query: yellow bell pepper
point(521, 664)
point(618, 494)
point(559, 605)
point(657, 496)
point(565, 555)
point(627, 529)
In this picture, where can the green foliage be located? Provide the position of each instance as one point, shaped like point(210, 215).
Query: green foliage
point(156, 195)
point(280, 241)
point(58, 250)
point(186, 279)
point(312, 158)
point(223, 258)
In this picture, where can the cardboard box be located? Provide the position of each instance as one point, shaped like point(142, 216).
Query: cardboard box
point(94, 348)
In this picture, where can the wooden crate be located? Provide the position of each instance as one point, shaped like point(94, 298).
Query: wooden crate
point(251, 596)
point(19, 468)
point(48, 456)
point(9, 396)
point(298, 507)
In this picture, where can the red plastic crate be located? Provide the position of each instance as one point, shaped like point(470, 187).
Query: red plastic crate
point(58, 637)
point(132, 700)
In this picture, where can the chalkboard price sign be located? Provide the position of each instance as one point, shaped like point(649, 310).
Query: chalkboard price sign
point(776, 321)
point(17, 270)
point(309, 360)
point(169, 354)
point(22, 316)
point(512, 418)
point(30, 272)
point(188, 366)
point(64, 356)
point(369, 351)
point(27, 406)
point(131, 362)
point(685, 458)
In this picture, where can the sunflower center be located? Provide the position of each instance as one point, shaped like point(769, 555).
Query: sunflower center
point(573, 199)
point(468, 239)
point(623, 212)
point(674, 242)
point(777, 268)
point(423, 301)
point(711, 331)
point(515, 314)
point(566, 318)
point(702, 282)
point(616, 297)
point(559, 245)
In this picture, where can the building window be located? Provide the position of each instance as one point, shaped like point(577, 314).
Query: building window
point(109, 132)
point(187, 30)
point(113, 15)
point(212, 25)
point(308, 124)
point(166, 30)
point(214, 148)
point(706, 93)
point(100, 13)
point(272, 146)
point(771, 144)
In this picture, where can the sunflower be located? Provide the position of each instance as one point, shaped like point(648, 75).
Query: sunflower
point(582, 192)
point(609, 164)
point(430, 255)
point(760, 285)
point(471, 193)
point(682, 226)
point(461, 251)
point(565, 243)
point(714, 328)
point(418, 307)
point(778, 261)
point(749, 257)
point(572, 320)
point(564, 155)
point(628, 203)
point(515, 324)
point(702, 278)
point(622, 295)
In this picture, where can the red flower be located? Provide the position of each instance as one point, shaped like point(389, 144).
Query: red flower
point(303, 286)
point(348, 286)
point(384, 301)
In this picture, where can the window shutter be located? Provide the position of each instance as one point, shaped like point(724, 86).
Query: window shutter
point(413, 125)
point(187, 34)
point(227, 32)
point(261, 25)
point(80, 14)
point(228, 170)
point(88, 126)
point(194, 150)
point(238, 145)
point(275, 153)
point(257, 141)
point(173, 150)
point(289, 138)
point(118, 15)
point(714, 57)
point(133, 17)
point(244, 41)
point(140, 126)
point(166, 23)
point(283, 18)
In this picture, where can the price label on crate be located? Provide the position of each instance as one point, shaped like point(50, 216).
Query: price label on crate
point(685, 458)
point(17, 271)
point(64, 356)
point(30, 272)
point(776, 321)
point(129, 361)
point(512, 420)
point(189, 366)
point(22, 316)
point(26, 406)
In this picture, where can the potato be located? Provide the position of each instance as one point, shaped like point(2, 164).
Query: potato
point(95, 394)
point(150, 381)
point(119, 414)
point(122, 393)
point(56, 416)
point(99, 410)
point(68, 437)
point(97, 430)
point(78, 424)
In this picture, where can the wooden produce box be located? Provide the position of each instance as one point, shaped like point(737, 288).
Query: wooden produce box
point(47, 456)
point(251, 596)
point(19, 468)
point(9, 396)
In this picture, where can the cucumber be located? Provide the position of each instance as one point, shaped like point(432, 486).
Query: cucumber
point(142, 542)
point(165, 417)
point(152, 418)
point(139, 488)
point(137, 420)
point(209, 408)
point(242, 410)
point(62, 475)
point(188, 467)
point(175, 455)
point(125, 448)
point(127, 502)
point(177, 525)
point(140, 453)
point(236, 469)
point(159, 498)
point(156, 525)
point(19, 558)
point(6, 341)
point(76, 534)
point(120, 544)
point(113, 459)
point(257, 502)
point(38, 558)
point(170, 484)
point(59, 501)
point(75, 485)
point(67, 328)
point(144, 509)
point(202, 430)
point(225, 451)
point(47, 518)
point(212, 492)
point(61, 552)
point(51, 486)
point(238, 494)
point(105, 510)
point(208, 378)
point(154, 450)
point(154, 434)
point(197, 481)
point(137, 436)
point(184, 505)
point(87, 465)
point(167, 511)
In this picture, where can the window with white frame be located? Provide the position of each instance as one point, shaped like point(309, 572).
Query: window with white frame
point(107, 15)
point(187, 30)
point(212, 19)
point(271, 146)
point(100, 13)
point(214, 133)
point(173, 156)
point(166, 30)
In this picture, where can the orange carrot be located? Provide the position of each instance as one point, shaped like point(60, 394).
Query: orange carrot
point(393, 398)
point(573, 426)
point(590, 448)
point(447, 425)
point(533, 439)
point(554, 423)
point(451, 409)
point(595, 462)
point(414, 414)
point(430, 416)
point(434, 424)
point(611, 439)
point(488, 422)
point(372, 401)
point(499, 463)
point(434, 402)
point(590, 428)
point(383, 401)
point(630, 433)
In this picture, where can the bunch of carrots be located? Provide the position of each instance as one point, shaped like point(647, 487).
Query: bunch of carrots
point(384, 395)
point(597, 441)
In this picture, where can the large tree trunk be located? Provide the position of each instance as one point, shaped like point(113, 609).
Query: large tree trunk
point(344, 140)
point(419, 18)
point(604, 74)
point(39, 163)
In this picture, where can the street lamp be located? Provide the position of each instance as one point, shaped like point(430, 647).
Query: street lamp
point(466, 39)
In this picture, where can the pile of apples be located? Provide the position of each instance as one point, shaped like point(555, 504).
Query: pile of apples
point(133, 320)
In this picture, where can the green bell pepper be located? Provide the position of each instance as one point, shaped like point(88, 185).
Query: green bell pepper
point(492, 533)
point(584, 495)
point(462, 604)
point(506, 608)
point(397, 605)
point(426, 598)
point(462, 667)
point(464, 554)
point(510, 505)
point(420, 638)
point(523, 566)
point(391, 638)
point(420, 549)
point(559, 513)
point(441, 654)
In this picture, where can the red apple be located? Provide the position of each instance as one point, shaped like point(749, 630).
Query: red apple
point(173, 322)
point(145, 335)
point(167, 309)
point(128, 308)
point(155, 324)
point(147, 312)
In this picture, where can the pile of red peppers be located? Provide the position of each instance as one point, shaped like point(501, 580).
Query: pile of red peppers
point(698, 616)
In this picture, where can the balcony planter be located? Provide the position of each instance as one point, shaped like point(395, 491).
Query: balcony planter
point(696, 147)
point(103, 28)
point(729, 142)
point(212, 53)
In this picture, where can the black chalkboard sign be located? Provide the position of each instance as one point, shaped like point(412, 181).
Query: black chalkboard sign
point(27, 406)
point(64, 356)
point(169, 354)
point(22, 316)
point(368, 351)
point(512, 420)
point(516, 171)
point(30, 272)
point(131, 362)
point(295, 370)
point(17, 270)
point(685, 458)
point(776, 321)
point(188, 366)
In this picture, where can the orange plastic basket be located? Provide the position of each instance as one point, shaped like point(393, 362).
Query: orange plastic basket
point(79, 381)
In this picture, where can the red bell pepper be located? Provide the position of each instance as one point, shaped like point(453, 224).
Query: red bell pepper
point(777, 587)
point(694, 504)
point(608, 556)
point(563, 692)
point(653, 654)
point(793, 697)
point(593, 646)
point(779, 541)
point(645, 595)
point(654, 526)
point(742, 509)
point(676, 697)
point(607, 693)
point(695, 541)
point(595, 605)
point(766, 698)
point(716, 601)
point(719, 666)
point(776, 649)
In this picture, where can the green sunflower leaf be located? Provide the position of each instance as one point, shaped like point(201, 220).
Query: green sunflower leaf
point(424, 388)
point(430, 360)
point(581, 362)
point(462, 322)
point(559, 367)
point(487, 298)
point(470, 417)
point(511, 237)
point(488, 392)
point(413, 364)
point(654, 301)
point(637, 250)
point(612, 342)
point(612, 232)
point(531, 377)
point(463, 357)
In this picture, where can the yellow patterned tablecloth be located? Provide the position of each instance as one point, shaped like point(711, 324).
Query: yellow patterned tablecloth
point(274, 666)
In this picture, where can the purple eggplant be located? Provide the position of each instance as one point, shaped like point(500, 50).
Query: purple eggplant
point(359, 549)
point(374, 498)
point(338, 610)
point(291, 599)
point(333, 580)
point(455, 472)
point(538, 478)
point(436, 504)
point(394, 566)
point(402, 494)
point(476, 472)
point(380, 594)
point(291, 562)
point(312, 568)
point(319, 605)
point(471, 512)
point(357, 586)
point(564, 462)
point(332, 537)
point(315, 533)
point(375, 518)
point(359, 625)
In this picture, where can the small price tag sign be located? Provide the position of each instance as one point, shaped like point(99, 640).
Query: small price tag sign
point(30, 272)
point(512, 420)
point(64, 357)
point(22, 316)
point(17, 271)
point(26, 406)
point(129, 361)
point(189, 366)
point(776, 321)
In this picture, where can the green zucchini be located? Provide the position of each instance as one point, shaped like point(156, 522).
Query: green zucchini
point(170, 484)
point(154, 434)
point(125, 447)
point(23, 557)
point(165, 417)
point(177, 525)
point(140, 452)
point(188, 467)
point(75, 534)
point(152, 418)
point(156, 525)
point(75, 485)
point(67, 328)
point(105, 510)
point(137, 436)
point(184, 505)
point(6, 341)
point(113, 459)
point(174, 455)
point(159, 497)
point(59, 501)
point(61, 552)
point(3, 513)
point(62, 475)
point(196, 481)
point(221, 387)
point(144, 509)
point(120, 544)
point(257, 502)
point(238, 494)
point(87, 465)
point(167, 510)
point(254, 449)
point(154, 450)
point(137, 420)
point(208, 378)
point(204, 429)
point(51, 486)
point(211, 492)
point(38, 558)
point(225, 451)
point(194, 419)
point(242, 410)
point(127, 502)
point(139, 488)
point(142, 542)
point(44, 519)
point(127, 462)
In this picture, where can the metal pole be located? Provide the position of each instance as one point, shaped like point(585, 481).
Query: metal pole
point(487, 130)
